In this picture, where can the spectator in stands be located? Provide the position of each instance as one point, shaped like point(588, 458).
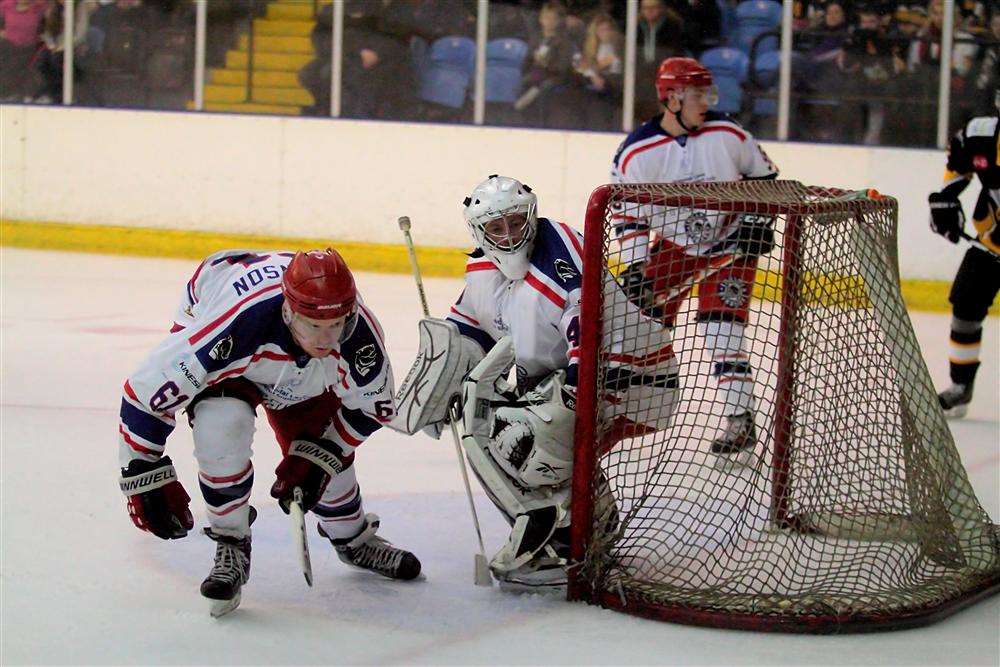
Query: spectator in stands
point(600, 68)
point(872, 70)
point(549, 72)
point(374, 65)
point(701, 23)
point(987, 78)
point(20, 26)
point(660, 37)
point(85, 43)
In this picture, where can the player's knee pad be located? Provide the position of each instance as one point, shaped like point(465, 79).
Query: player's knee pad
point(222, 430)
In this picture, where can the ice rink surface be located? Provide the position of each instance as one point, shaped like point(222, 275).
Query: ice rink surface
point(81, 586)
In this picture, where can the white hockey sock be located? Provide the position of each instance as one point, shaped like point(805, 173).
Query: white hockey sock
point(340, 510)
point(730, 366)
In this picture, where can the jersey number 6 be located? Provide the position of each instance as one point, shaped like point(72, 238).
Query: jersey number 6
point(166, 398)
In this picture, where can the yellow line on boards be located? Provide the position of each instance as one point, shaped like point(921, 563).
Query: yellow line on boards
point(924, 295)
point(144, 242)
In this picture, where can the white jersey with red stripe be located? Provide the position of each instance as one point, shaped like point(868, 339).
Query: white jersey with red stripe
point(541, 313)
point(719, 150)
point(229, 324)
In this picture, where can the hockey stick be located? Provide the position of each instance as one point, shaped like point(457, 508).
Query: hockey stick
point(482, 570)
point(298, 526)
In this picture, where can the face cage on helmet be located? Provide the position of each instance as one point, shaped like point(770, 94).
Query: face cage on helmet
point(304, 332)
point(711, 94)
point(529, 233)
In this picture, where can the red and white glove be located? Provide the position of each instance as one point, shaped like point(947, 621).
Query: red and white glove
point(157, 503)
point(309, 466)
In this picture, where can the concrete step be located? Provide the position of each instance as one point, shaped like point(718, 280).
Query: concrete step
point(259, 94)
point(284, 62)
point(267, 27)
point(290, 11)
point(250, 107)
point(273, 44)
point(238, 77)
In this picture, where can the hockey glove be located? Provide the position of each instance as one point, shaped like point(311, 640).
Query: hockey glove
point(755, 235)
point(157, 503)
point(947, 217)
point(309, 465)
point(637, 286)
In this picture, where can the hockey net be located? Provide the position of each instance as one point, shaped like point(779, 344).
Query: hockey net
point(854, 512)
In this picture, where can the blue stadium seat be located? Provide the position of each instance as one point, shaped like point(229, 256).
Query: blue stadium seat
point(448, 71)
point(504, 60)
point(729, 71)
point(766, 70)
point(754, 17)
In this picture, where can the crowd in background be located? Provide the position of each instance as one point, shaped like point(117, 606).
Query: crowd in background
point(864, 71)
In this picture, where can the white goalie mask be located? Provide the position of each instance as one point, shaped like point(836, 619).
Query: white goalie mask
point(501, 216)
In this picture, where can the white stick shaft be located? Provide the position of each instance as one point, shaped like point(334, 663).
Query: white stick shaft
point(404, 225)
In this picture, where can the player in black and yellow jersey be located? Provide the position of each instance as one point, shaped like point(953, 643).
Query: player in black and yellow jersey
point(974, 150)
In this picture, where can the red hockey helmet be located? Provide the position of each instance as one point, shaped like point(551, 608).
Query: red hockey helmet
point(319, 285)
point(680, 73)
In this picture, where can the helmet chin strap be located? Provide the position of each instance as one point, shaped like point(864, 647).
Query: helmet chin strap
point(680, 121)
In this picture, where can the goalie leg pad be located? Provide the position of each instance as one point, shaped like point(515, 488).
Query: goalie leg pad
point(435, 378)
point(528, 537)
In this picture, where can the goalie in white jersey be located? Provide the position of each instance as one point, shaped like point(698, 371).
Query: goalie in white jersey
point(287, 332)
point(670, 250)
point(521, 308)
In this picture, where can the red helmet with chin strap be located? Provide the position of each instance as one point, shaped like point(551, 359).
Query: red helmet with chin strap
point(319, 285)
point(679, 73)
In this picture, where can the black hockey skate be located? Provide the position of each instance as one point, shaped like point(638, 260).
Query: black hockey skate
point(955, 400)
point(735, 444)
point(230, 572)
point(369, 552)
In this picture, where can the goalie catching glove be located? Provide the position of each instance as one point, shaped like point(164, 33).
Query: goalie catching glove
point(309, 466)
point(157, 503)
point(532, 439)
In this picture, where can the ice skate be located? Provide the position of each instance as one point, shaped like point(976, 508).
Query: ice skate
point(734, 446)
point(955, 400)
point(369, 552)
point(231, 570)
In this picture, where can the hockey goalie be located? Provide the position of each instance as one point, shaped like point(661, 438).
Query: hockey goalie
point(520, 311)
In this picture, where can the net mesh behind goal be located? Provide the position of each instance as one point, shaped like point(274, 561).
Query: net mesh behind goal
point(854, 511)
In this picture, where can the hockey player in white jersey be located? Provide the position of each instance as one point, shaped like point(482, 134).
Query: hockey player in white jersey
point(668, 251)
point(287, 332)
point(521, 308)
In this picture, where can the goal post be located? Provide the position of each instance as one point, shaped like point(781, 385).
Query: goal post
point(854, 513)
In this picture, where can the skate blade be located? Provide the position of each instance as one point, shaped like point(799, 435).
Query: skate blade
point(218, 608)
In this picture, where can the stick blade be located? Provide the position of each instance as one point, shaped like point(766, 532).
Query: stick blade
point(483, 576)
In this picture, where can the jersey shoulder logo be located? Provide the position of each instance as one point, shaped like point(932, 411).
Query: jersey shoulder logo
point(980, 163)
point(221, 350)
point(565, 270)
point(366, 358)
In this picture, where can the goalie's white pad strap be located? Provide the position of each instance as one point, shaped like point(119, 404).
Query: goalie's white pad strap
point(317, 454)
point(435, 378)
point(154, 479)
